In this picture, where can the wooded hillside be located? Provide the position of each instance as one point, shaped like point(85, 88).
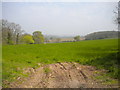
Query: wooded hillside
point(102, 35)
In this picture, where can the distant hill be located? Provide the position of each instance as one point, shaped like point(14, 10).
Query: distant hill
point(57, 36)
point(102, 35)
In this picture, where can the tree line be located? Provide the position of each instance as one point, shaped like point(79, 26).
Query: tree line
point(12, 33)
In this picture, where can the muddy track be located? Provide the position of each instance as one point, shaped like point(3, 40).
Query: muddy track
point(62, 75)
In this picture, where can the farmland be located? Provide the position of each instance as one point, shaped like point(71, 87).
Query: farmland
point(100, 53)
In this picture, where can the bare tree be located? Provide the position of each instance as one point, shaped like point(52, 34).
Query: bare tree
point(118, 19)
point(11, 32)
point(17, 33)
point(6, 32)
point(117, 13)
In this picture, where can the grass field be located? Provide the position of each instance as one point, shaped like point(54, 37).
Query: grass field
point(99, 53)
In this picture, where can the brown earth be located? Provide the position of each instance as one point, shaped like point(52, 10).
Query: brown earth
point(62, 75)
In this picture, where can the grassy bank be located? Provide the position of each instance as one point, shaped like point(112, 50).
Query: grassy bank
point(100, 53)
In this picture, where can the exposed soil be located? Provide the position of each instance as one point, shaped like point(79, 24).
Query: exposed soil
point(63, 75)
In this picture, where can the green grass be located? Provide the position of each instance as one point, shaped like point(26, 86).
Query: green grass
point(99, 53)
point(103, 77)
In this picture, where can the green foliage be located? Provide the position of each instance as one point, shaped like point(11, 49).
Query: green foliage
point(38, 37)
point(27, 39)
point(77, 38)
point(99, 53)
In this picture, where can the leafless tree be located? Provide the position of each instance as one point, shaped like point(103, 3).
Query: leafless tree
point(11, 32)
point(117, 13)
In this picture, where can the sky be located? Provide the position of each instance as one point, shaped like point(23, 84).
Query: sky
point(59, 0)
point(61, 18)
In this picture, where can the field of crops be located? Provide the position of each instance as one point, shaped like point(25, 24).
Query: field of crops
point(99, 53)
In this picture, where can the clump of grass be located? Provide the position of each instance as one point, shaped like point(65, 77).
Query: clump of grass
point(47, 70)
point(108, 62)
point(105, 79)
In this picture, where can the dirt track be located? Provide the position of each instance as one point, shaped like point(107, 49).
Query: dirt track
point(63, 75)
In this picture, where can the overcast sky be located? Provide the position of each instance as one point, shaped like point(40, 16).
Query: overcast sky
point(61, 18)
